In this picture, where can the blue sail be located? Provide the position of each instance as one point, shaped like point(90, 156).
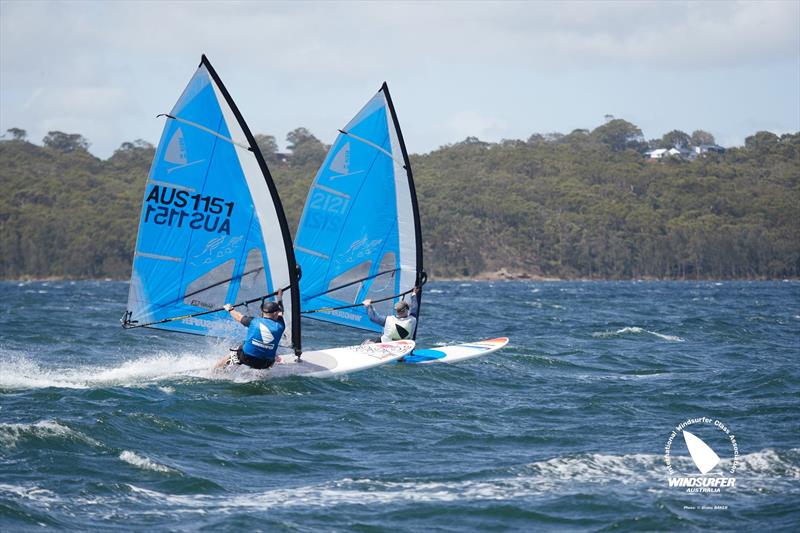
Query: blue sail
point(359, 235)
point(212, 229)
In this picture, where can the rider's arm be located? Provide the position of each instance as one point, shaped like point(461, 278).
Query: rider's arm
point(237, 316)
point(413, 303)
point(279, 299)
point(373, 315)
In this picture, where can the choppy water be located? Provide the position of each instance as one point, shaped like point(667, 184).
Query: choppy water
point(564, 429)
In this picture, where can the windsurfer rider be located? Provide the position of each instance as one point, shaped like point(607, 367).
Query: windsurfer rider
point(263, 336)
point(399, 326)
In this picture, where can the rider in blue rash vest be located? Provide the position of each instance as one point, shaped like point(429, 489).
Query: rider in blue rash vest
point(263, 336)
point(399, 326)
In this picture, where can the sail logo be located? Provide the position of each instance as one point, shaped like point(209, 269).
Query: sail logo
point(713, 472)
point(176, 152)
point(341, 161)
point(176, 149)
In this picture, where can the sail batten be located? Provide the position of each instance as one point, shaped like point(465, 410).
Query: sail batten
point(207, 130)
point(212, 229)
point(359, 233)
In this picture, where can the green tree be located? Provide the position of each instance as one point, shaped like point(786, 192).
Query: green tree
point(268, 146)
point(65, 142)
point(298, 136)
point(620, 135)
point(305, 147)
point(702, 137)
point(761, 141)
point(17, 134)
point(675, 138)
point(137, 146)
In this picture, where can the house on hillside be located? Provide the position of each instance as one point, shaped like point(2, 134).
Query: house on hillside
point(708, 148)
point(663, 153)
point(685, 153)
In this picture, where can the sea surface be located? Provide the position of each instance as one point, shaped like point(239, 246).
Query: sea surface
point(564, 429)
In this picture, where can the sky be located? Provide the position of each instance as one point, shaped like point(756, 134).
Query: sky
point(492, 70)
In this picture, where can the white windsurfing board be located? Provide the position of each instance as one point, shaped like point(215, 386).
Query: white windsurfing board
point(455, 353)
point(333, 362)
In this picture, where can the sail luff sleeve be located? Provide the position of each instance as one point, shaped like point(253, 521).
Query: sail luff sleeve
point(397, 139)
point(269, 209)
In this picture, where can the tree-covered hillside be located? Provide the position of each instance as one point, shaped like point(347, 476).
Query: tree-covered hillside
point(586, 204)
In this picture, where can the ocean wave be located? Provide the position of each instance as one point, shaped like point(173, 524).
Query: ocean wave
point(765, 471)
point(144, 462)
point(34, 493)
point(11, 434)
point(759, 472)
point(19, 372)
point(637, 330)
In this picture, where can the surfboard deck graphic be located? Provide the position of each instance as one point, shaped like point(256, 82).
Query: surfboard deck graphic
point(455, 353)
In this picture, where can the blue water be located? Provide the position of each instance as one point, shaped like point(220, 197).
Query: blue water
point(565, 429)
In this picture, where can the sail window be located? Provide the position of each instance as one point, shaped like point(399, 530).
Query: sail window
point(210, 290)
point(253, 283)
point(346, 286)
point(383, 284)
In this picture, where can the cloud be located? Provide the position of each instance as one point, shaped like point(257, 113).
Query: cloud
point(313, 63)
point(463, 124)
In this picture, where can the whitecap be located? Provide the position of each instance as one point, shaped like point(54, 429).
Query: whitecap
point(144, 462)
point(758, 471)
point(34, 493)
point(11, 434)
point(637, 330)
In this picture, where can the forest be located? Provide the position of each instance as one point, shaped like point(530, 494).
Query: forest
point(589, 204)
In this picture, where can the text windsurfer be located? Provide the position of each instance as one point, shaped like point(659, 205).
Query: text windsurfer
point(264, 333)
point(399, 326)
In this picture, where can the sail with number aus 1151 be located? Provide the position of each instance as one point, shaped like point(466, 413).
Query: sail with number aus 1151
point(359, 235)
point(212, 229)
